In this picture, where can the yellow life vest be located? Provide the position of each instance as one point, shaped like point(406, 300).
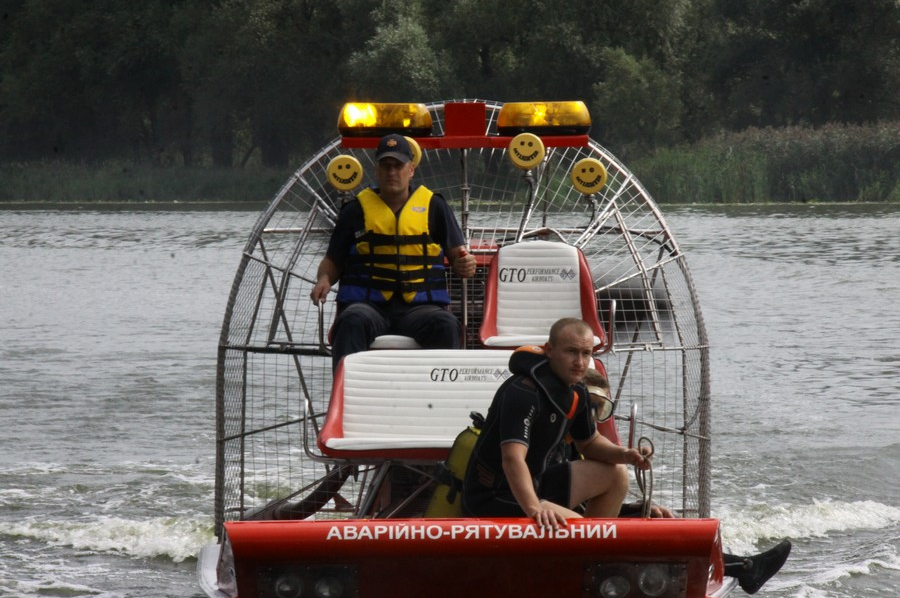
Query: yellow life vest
point(395, 254)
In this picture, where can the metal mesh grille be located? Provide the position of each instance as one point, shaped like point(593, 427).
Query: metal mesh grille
point(273, 389)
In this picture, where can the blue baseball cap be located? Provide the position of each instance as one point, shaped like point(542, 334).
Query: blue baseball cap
point(394, 146)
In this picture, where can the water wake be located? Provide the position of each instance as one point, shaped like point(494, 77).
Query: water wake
point(745, 528)
point(174, 538)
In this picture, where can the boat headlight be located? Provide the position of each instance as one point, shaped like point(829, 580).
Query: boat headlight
point(636, 580)
point(288, 585)
point(309, 581)
point(378, 119)
point(616, 586)
point(653, 580)
point(329, 587)
point(544, 118)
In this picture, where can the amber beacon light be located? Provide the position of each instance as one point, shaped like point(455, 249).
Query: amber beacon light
point(544, 118)
point(375, 120)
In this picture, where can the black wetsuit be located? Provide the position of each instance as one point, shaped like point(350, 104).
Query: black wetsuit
point(534, 408)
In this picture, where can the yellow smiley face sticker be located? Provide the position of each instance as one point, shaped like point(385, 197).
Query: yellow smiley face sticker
point(417, 150)
point(588, 176)
point(526, 150)
point(344, 172)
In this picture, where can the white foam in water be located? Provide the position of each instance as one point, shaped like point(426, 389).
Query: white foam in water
point(744, 528)
point(807, 592)
point(172, 537)
point(826, 562)
point(50, 587)
point(842, 573)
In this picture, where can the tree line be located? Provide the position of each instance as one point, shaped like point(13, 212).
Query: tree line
point(228, 82)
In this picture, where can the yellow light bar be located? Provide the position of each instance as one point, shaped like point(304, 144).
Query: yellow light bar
point(544, 118)
point(376, 120)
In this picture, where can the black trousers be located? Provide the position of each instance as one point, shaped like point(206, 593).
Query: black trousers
point(357, 325)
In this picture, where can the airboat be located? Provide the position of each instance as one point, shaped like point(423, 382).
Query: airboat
point(327, 482)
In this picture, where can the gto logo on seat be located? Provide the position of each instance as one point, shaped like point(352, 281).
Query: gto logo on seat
point(536, 275)
point(469, 374)
point(444, 374)
point(512, 274)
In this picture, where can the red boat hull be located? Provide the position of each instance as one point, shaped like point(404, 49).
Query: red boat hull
point(472, 557)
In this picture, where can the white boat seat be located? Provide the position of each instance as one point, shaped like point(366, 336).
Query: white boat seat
point(531, 285)
point(408, 404)
point(394, 341)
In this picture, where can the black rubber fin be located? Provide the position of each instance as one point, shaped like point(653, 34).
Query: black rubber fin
point(754, 571)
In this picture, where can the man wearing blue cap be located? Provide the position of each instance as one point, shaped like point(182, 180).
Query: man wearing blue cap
point(387, 250)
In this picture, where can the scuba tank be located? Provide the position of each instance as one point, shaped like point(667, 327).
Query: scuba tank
point(446, 502)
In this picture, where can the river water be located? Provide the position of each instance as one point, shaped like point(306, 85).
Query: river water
point(109, 321)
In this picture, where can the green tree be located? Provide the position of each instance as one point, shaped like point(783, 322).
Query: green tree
point(517, 49)
point(807, 61)
point(138, 78)
point(275, 83)
point(45, 108)
point(637, 106)
point(481, 41)
point(398, 63)
point(230, 81)
point(89, 82)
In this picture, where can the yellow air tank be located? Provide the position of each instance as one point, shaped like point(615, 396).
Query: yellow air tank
point(446, 502)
